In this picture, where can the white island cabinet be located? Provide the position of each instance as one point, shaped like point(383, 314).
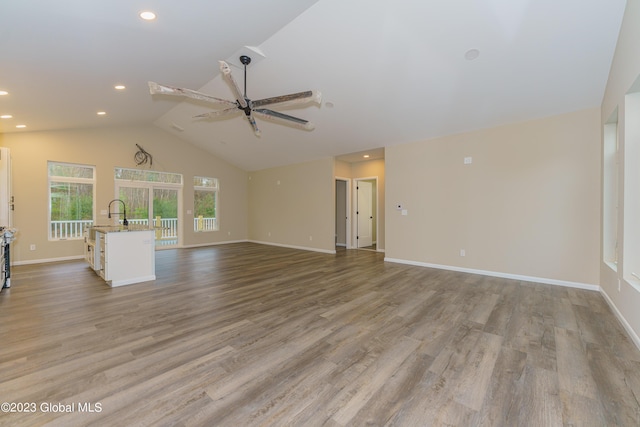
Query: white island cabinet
point(121, 256)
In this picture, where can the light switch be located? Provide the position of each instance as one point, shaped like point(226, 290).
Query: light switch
point(468, 160)
point(405, 212)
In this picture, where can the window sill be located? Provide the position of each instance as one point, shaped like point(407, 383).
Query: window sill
point(612, 265)
point(633, 282)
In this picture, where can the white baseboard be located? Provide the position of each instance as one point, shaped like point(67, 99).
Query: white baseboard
point(226, 242)
point(627, 327)
point(499, 274)
point(116, 283)
point(304, 248)
point(75, 257)
point(47, 260)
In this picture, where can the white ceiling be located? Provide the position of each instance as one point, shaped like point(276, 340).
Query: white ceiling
point(394, 71)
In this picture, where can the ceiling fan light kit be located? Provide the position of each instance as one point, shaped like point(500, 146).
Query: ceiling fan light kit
point(243, 104)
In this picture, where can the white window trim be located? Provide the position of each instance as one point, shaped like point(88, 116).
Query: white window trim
point(216, 190)
point(71, 180)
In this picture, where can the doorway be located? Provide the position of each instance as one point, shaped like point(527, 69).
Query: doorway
point(153, 205)
point(366, 213)
point(343, 225)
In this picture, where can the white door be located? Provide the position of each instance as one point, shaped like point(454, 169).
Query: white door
point(364, 213)
point(341, 213)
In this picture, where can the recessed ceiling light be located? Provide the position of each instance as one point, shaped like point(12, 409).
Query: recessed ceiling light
point(147, 15)
point(6, 116)
point(3, 92)
point(120, 87)
point(366, 156)
point(21, 126)
point(471, 54)
point(101, 113)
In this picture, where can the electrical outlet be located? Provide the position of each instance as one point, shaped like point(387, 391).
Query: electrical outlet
point(32, 247)
point(310, 238)
point(463, 252)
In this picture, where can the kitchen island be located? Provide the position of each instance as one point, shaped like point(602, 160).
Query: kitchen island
point(121, 255)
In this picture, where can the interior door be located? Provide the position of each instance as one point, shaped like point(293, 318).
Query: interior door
point(364, 212)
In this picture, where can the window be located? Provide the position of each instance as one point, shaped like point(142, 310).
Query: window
point(152, 198)
point(610, 192)
point(631, 247)
point(71, 200)
point(205, 203)
point(125, 174)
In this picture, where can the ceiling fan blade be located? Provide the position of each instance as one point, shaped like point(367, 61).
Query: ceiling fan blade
point(228, 77)
point(219, 113)
point(294, 98)
point(156, 88)
point(281, 118)
point(253, 124)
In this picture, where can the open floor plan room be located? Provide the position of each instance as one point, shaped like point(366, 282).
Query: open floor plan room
point(246, 334)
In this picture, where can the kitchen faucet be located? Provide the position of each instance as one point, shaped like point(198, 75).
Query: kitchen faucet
point(124, 221)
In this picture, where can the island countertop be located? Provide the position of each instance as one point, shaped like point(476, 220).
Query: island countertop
point(120, 228)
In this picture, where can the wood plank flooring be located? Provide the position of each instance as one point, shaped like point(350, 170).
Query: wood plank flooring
point(252, 335)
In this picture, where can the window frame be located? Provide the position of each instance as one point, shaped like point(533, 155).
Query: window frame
point(79, 228)
point(215, 189)
point(610, 193)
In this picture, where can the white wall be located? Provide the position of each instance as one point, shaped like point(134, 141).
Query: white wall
point(293, 206)
point(107, 148)
point(625, 69)
point(527, 205)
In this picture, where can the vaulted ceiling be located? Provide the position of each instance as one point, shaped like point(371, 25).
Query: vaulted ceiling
point(389, 72)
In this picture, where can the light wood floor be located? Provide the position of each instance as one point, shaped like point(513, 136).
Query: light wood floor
point(246, 335)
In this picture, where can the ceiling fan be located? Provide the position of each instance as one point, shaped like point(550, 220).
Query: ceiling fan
point(243, 104)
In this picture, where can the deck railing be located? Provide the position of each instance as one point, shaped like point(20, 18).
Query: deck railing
point(61, 230)
point(166, 228)
point(205, 224)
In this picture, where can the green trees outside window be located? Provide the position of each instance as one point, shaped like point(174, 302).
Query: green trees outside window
point(205, 203)
point(71, 199)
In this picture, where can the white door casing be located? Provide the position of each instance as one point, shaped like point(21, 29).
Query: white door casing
point(364, 213)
